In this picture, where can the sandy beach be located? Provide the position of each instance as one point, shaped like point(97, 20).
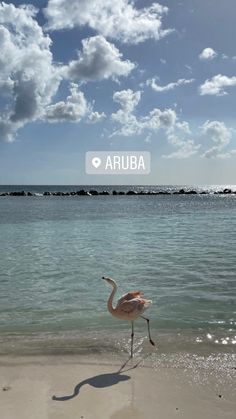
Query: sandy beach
point(59, 387)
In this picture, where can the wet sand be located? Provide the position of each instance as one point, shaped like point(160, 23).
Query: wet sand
point(60, 387)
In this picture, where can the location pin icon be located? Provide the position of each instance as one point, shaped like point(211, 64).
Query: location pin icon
point(96, 161)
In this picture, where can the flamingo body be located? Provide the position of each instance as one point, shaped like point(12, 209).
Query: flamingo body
point(130, 306)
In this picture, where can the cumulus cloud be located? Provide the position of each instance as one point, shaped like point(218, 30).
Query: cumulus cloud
point(217, 132)
point(157, 119)
point(178, 137)
point(127, 99)
point(99, 59)
point(227, 154)
point(130, 124)
point(185, 148)
point(95, 117)
point(28, 77)
point(166, 119)
point(207, 54)
point(8, 129)
point(119, 20)
point(216, 85)
point(170, 86)
point(72, 110)
point(176, 132)
point(183, 126)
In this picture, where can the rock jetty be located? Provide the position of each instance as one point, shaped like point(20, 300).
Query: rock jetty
point(94, 192)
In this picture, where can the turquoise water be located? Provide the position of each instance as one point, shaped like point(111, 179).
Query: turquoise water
point(180, 250)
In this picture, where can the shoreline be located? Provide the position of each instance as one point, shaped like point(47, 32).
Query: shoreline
point(92, 387)
point(75, 342)
point(209, 359)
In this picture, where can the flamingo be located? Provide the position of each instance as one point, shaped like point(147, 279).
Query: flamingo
point(129, 307)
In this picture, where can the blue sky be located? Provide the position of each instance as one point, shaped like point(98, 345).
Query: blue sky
point(101, 75)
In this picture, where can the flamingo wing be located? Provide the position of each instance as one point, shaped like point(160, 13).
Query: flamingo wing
point(136, 305)
point(130, 306)
point(130, 296)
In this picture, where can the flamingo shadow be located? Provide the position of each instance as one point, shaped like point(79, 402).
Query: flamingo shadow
point(101, 381)
point(98, 381)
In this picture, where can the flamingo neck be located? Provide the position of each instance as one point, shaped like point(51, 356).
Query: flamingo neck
point(110, 307)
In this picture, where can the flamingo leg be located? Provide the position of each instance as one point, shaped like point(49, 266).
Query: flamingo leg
point(132, 339)
point(149, 334)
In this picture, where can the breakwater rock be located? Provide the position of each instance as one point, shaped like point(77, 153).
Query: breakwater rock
point(94, 192)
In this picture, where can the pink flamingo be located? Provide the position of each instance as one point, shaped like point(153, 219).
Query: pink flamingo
point(129, 307)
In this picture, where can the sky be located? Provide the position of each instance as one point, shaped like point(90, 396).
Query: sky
point(96, 75)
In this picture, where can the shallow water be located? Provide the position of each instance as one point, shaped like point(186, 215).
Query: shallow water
point(180, 250)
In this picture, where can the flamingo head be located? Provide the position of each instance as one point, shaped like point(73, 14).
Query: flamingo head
point(110, 281)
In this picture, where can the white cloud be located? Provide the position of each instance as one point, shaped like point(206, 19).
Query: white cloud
point(177, 136)
point(208, 54)
point(217, 131)
point(95, 117)
point(227, 154)
point(158, 119)
point(72, 110)
point(185, 148)
point(183, 126)
point(28, 77)
point(119, 20)
point(220, 135)
point(130, 124)
point(127, 99)
point(169, 86)
point(8, 129)
point(99, 59)
point(216, 85)
point(214, 153)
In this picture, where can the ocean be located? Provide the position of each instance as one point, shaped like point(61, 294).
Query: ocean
point(180, 250)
